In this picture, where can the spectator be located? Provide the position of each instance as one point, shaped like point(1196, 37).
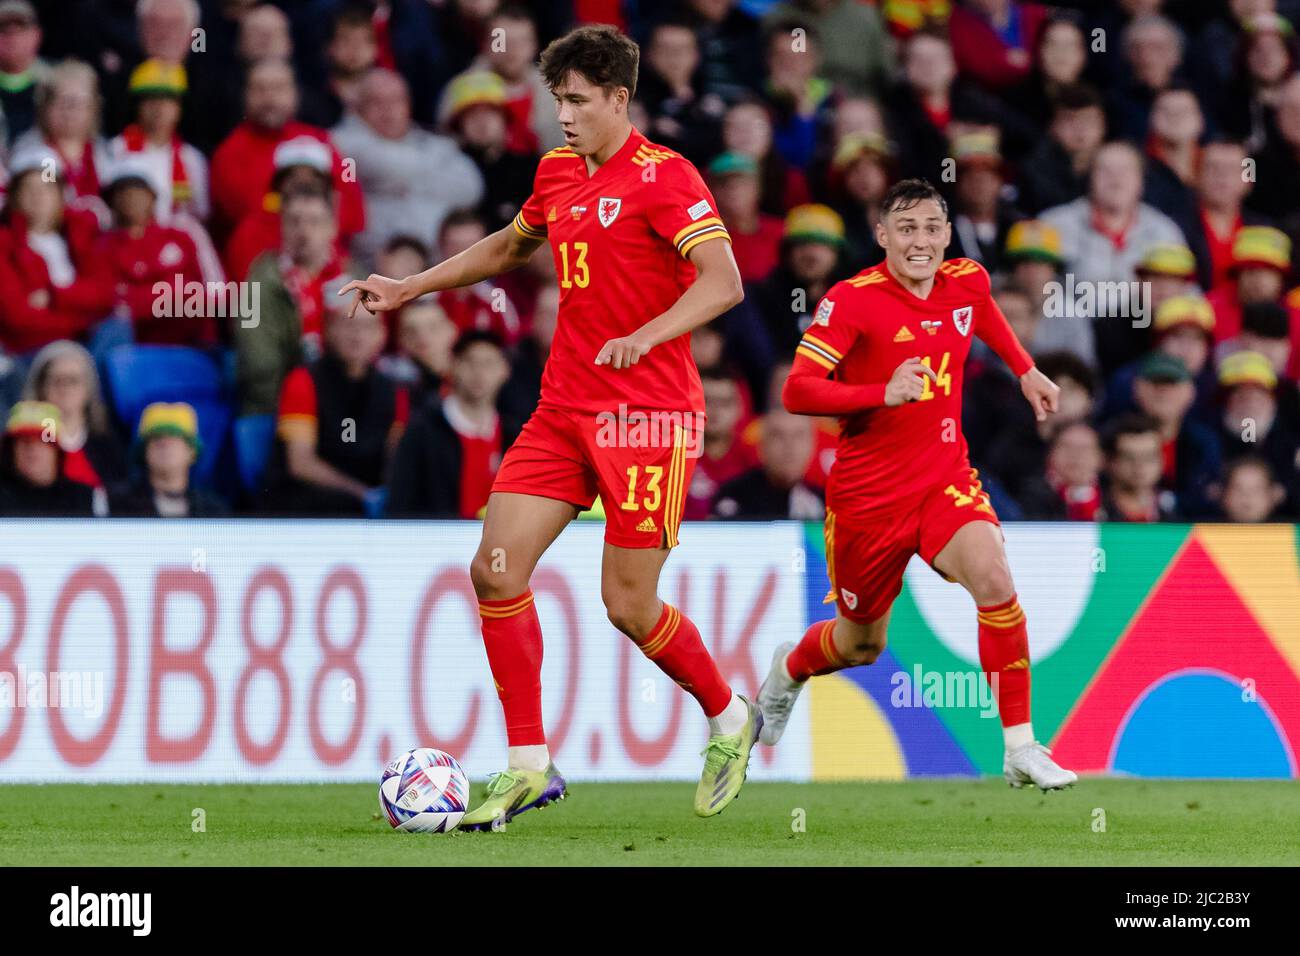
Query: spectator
point(533, 127)
point(1276, 192)
point(302, 165)
point(477, 118)
point(755, 235)
point(927, 108)
point(351, 52)
point(67, 123)
point(1153, 53)
point(243, 167)
point(340, 420)
point(1191, 452)
point(448, 458)
point(1266, 329)
point(1060, 55)
point(857, 55)
point(992, 40)
point(1073, 472)
point(393, 158)
point(723, 456)
point(1132, 447)
point(1261, 260)
point(1266, 55)
point(141, 253)
point(981, 216)
point(179, 170)
point(295, 292)
point(680, 118)
point(1104, 236)
point(1174, 155)
point(1017, 452)
point(1250, 421)
point(1221, 188)
point(776, 487)
point(425, 338)
point(167, 444)
point(796, 92)
point(484, 306)
point(747, 128)
point(32, 482)
point(63, 374)
point(1167, 270)
point(524, 388)
point(1056, 171)
point(861, 171)
point(53, 282)
point(1251, 495)
point(1184, 328)
point(21, 68)
point(810, 255)
point(1033, 253)
point(730, 44)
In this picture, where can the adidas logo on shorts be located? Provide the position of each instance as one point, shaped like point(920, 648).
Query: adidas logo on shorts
point(647, 525)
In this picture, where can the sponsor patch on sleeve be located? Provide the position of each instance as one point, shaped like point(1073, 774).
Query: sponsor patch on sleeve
point(698, 210)
point(823, 315)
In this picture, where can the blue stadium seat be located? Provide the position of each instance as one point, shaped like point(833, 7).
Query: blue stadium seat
point(254, 439)
point(137, 375)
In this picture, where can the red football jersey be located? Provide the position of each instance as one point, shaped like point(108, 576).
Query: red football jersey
point(863, 329)
point(620, 239)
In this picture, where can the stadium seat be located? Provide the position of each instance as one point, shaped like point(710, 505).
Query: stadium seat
point(254, 439)
point(137, 375)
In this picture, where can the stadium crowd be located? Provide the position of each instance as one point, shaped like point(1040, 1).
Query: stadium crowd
point(1128, 173)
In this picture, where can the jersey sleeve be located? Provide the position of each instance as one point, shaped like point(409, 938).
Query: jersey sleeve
point(683, 210)
point(830, 336)
point(531, 220)
point(297, 417)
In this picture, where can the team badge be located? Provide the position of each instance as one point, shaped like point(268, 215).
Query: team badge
point(850, 599)
point(823, 315)
point(608, 210)
point(961, 318)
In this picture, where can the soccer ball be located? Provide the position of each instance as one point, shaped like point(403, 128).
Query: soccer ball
point(423, 791)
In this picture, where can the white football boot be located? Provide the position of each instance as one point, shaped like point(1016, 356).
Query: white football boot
point(1033, 764)
point(777, 696)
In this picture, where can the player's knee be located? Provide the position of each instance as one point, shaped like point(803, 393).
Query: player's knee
point(992, 585)
point(628, 616)
point(866, 650)
point(491, 582)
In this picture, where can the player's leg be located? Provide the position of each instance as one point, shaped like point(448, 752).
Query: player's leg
point(865, 561)
point(517, 530)
point(644, 488)
point(826, 647)
point(975, 557)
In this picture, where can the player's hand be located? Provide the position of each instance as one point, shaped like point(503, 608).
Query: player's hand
point(376, 293)
point(1041, 392)
point(907, 384)
point(624, 352)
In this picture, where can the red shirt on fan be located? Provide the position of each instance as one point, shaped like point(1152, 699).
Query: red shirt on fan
point(620, 239)
point(863, 329)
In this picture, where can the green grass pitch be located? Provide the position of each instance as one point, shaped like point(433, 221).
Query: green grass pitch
point(929, 823)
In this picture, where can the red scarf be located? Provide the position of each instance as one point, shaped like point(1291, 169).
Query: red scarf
point(308, 291)
point(81, 174)
point(136, 142)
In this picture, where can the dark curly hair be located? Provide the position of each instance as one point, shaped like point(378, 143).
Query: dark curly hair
point(602, 55)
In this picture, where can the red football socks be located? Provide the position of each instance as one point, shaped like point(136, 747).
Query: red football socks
point(1004, 656)
point(512, 635)
point(815, 653)
point(677, 649)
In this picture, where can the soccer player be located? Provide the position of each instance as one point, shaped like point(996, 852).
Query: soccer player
point(634, 233)
point(885, 353)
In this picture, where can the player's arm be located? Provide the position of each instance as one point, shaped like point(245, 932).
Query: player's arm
point(717, 287)
point(1040, 391)
point(809, 391)
point(492, 255)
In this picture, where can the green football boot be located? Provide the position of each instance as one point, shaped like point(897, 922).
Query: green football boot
point(510, 793)
point(726, 762)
